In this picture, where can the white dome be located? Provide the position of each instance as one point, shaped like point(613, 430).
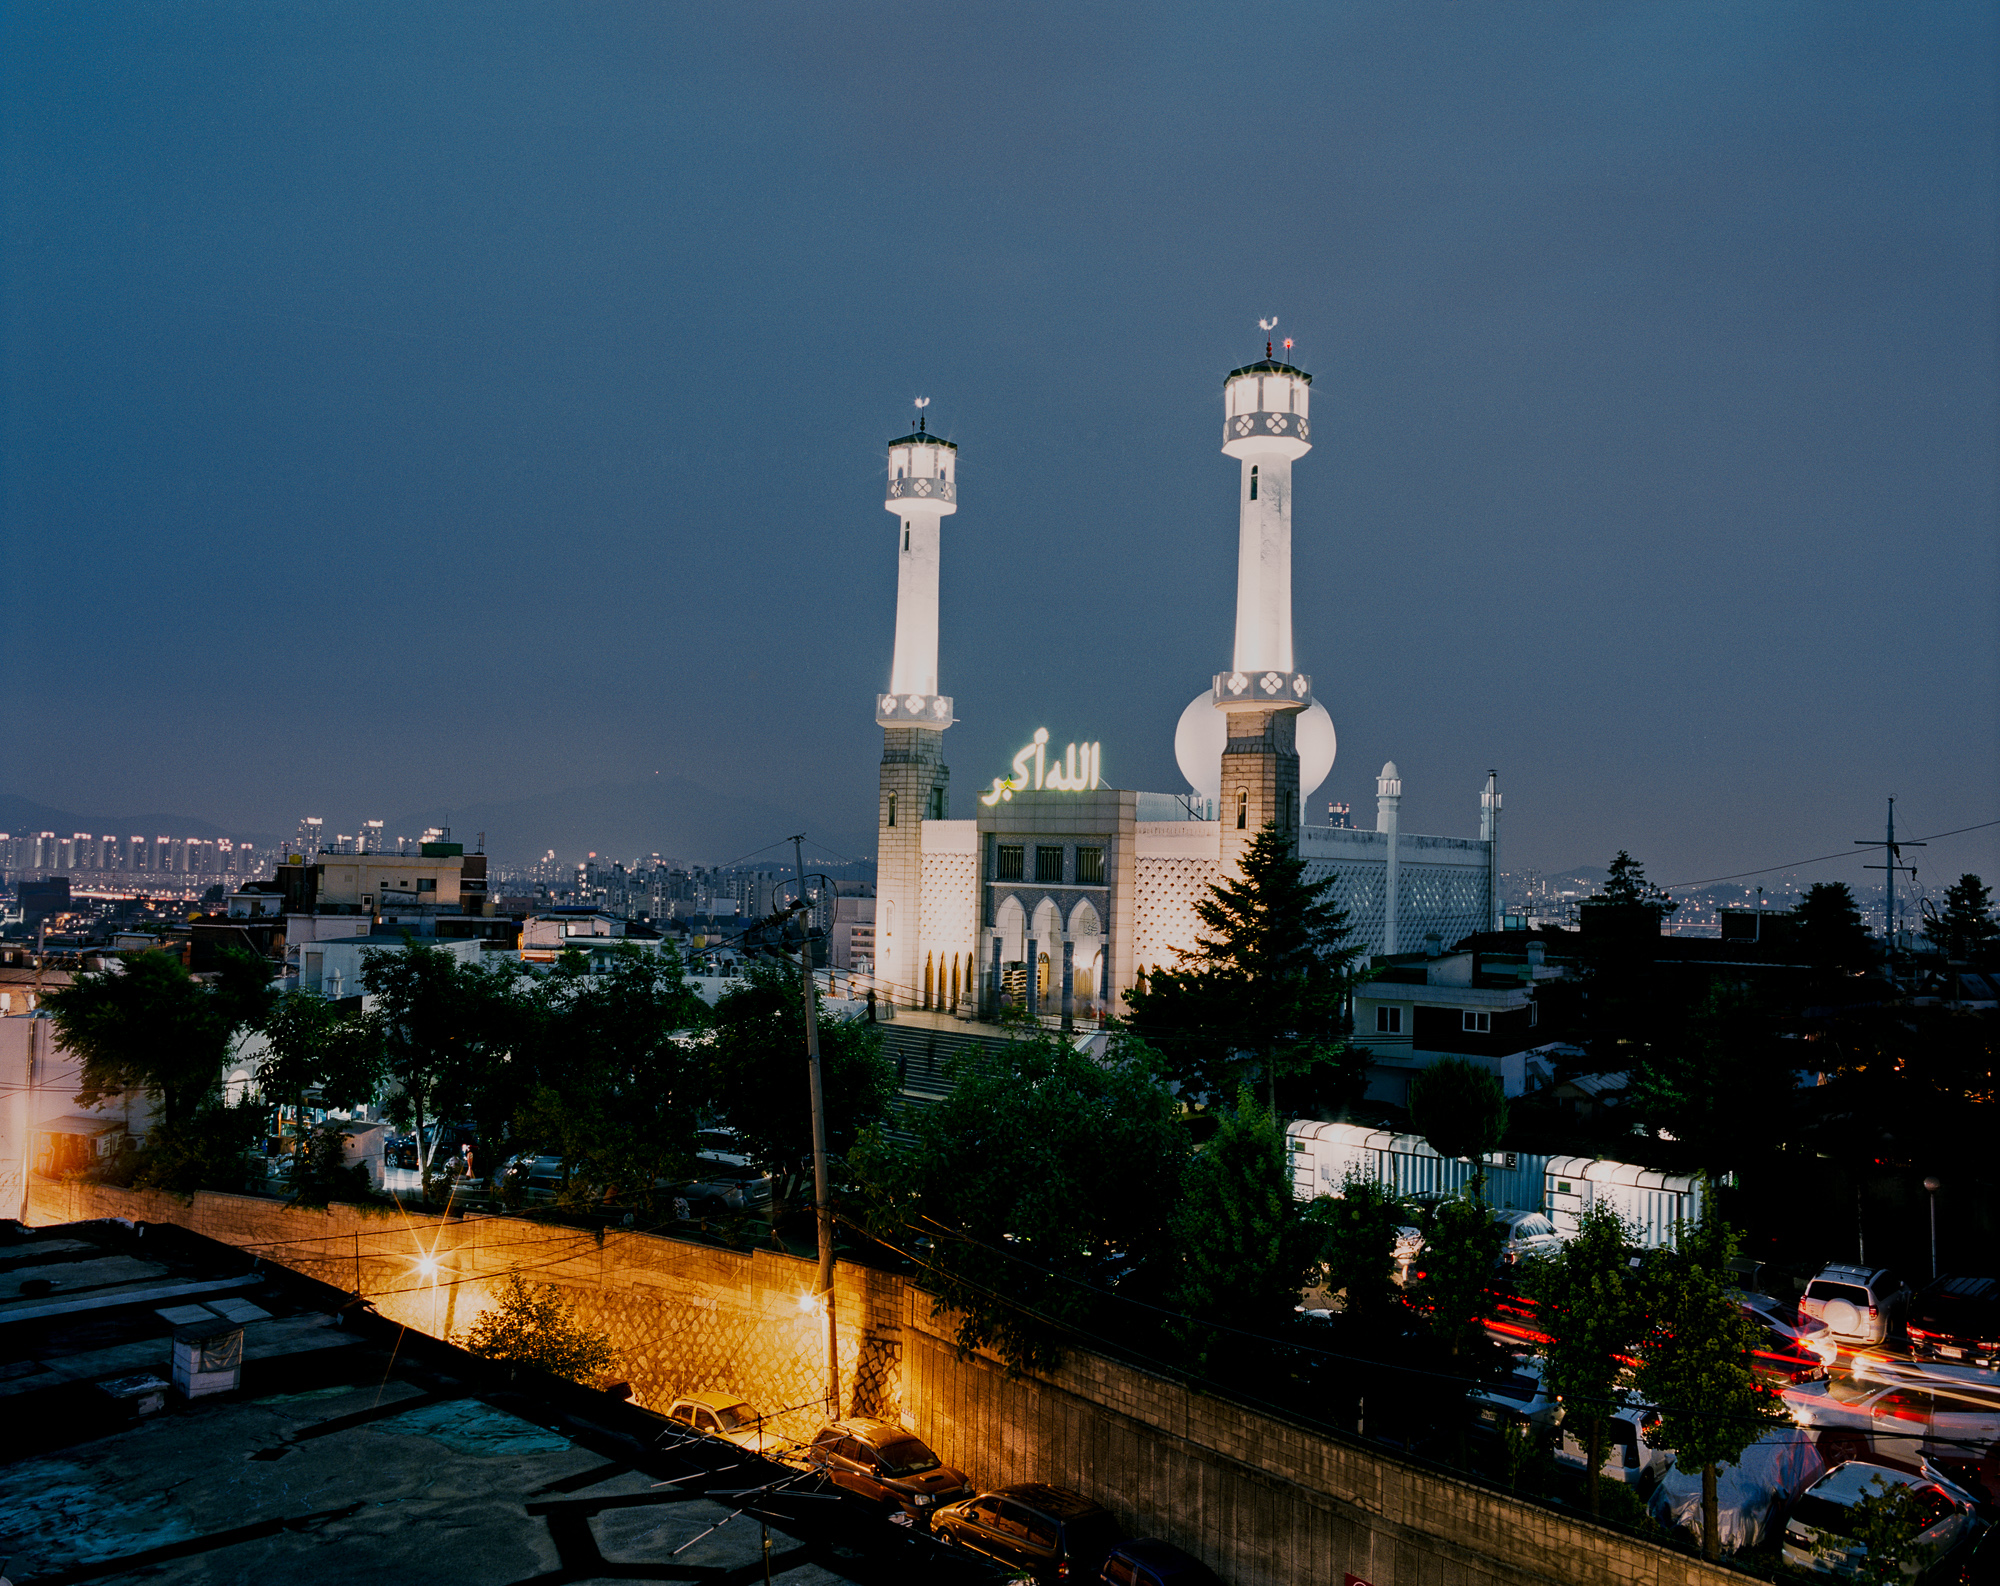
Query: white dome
point(1203, 733)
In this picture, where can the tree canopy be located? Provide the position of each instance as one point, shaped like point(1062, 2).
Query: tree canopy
point(1460, 1107)
point(757, 1076)
point(1263, 992)
point(616, 1073)
point(1965, 928)
point(1042, 1178)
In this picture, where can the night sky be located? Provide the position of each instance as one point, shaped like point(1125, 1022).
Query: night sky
point(409, 406)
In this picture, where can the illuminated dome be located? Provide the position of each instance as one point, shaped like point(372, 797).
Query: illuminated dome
point(1204, 731)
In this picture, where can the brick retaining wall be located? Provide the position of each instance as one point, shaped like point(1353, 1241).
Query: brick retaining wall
point(1265, 1502)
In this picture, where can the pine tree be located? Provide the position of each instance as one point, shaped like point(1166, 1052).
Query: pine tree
point(1966, 930)
point(1243, 1254)
point(1263, 991)
point(1831, 934)
point(1626, 883)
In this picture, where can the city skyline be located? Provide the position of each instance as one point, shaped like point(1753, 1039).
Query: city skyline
point(523, 416)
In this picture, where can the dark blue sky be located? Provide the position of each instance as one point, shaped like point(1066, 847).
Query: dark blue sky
point(417, 405)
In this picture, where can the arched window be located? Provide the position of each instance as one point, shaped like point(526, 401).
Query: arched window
point(1242, 809)
point(899, 473)
point(1253, 481)
point(906, 536)
point(927, 982)
point(892, 809)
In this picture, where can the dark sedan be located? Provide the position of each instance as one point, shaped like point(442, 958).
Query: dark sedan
point(1048, 1532)
point(883, 1465)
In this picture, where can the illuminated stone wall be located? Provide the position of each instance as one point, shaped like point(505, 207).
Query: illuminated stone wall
point(683, 1316)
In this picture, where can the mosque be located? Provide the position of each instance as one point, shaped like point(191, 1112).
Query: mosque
point(1060, 891)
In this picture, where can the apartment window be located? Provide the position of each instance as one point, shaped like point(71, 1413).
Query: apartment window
point(892, 809)
point(1476, 1023)
point(1049, 865)
point(1388, 1021)
point(1253, 482)
point(1090, 867)
point(427, 883)
point(1534, 1015)
point(1009, 868)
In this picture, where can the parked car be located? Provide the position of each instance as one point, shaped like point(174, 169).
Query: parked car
point(1627, 1457)
point(723, 1187)
point(726, 1416)
point(1784, 1319)
point(1151, 1562)
point(1819, 1532)
point(1901, 1419)
point(881, 1464)
point(1520, 1398)
point(1860, 1305)
point(1048, 1532)
point(1957, 1319)
point(1526, 1233)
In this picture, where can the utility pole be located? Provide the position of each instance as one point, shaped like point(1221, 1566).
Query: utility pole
point(822, 1204)
point(1891, 852)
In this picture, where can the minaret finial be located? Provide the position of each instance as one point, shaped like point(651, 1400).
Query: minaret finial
point(1267, 326)
point(922, 416)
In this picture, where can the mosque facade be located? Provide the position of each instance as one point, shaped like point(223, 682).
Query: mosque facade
point(1060, 891)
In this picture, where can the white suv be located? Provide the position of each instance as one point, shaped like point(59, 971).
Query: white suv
point(1858, 1304)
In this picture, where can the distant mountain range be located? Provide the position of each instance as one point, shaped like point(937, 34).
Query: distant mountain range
point(19, 815)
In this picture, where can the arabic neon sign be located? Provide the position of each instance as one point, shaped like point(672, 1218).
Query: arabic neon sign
point(1080, 766)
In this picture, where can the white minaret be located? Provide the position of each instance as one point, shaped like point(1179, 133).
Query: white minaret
point(1388, 820)
point(922, 491)
point(1265, 427)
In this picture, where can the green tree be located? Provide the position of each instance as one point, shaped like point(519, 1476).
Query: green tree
point(618, 1078)
point(1726, 1088)
point(1244, 1254)
point(1694, 1364)
point(532, 1324)
point(1966, 930)
point(1461, 1109)
point(1887, 1520)
point(1453, 1291)
point(1352, 1239)
point(1830, 932)
point(1625, 883)
point(150, 1026)
point(1264, 989)
point(321, 1173)
point(759, 1084)
point(447, 1031)
point(311, 1046)
point(1044, 1175)
point(1587, 1304)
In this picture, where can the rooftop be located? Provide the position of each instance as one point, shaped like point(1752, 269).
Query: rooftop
point(348, 1439)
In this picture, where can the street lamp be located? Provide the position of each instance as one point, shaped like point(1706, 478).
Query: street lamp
point(1931, 1183)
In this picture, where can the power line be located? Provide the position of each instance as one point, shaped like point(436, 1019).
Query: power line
point(1845, 853)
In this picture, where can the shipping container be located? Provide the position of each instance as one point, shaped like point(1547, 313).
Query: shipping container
point(1657, 1203)
point(1324, 1155)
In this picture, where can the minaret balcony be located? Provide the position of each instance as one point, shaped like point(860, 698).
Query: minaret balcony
point(924, 489)
point(1266, 433)
point(914, 710)
point(1268, 689)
